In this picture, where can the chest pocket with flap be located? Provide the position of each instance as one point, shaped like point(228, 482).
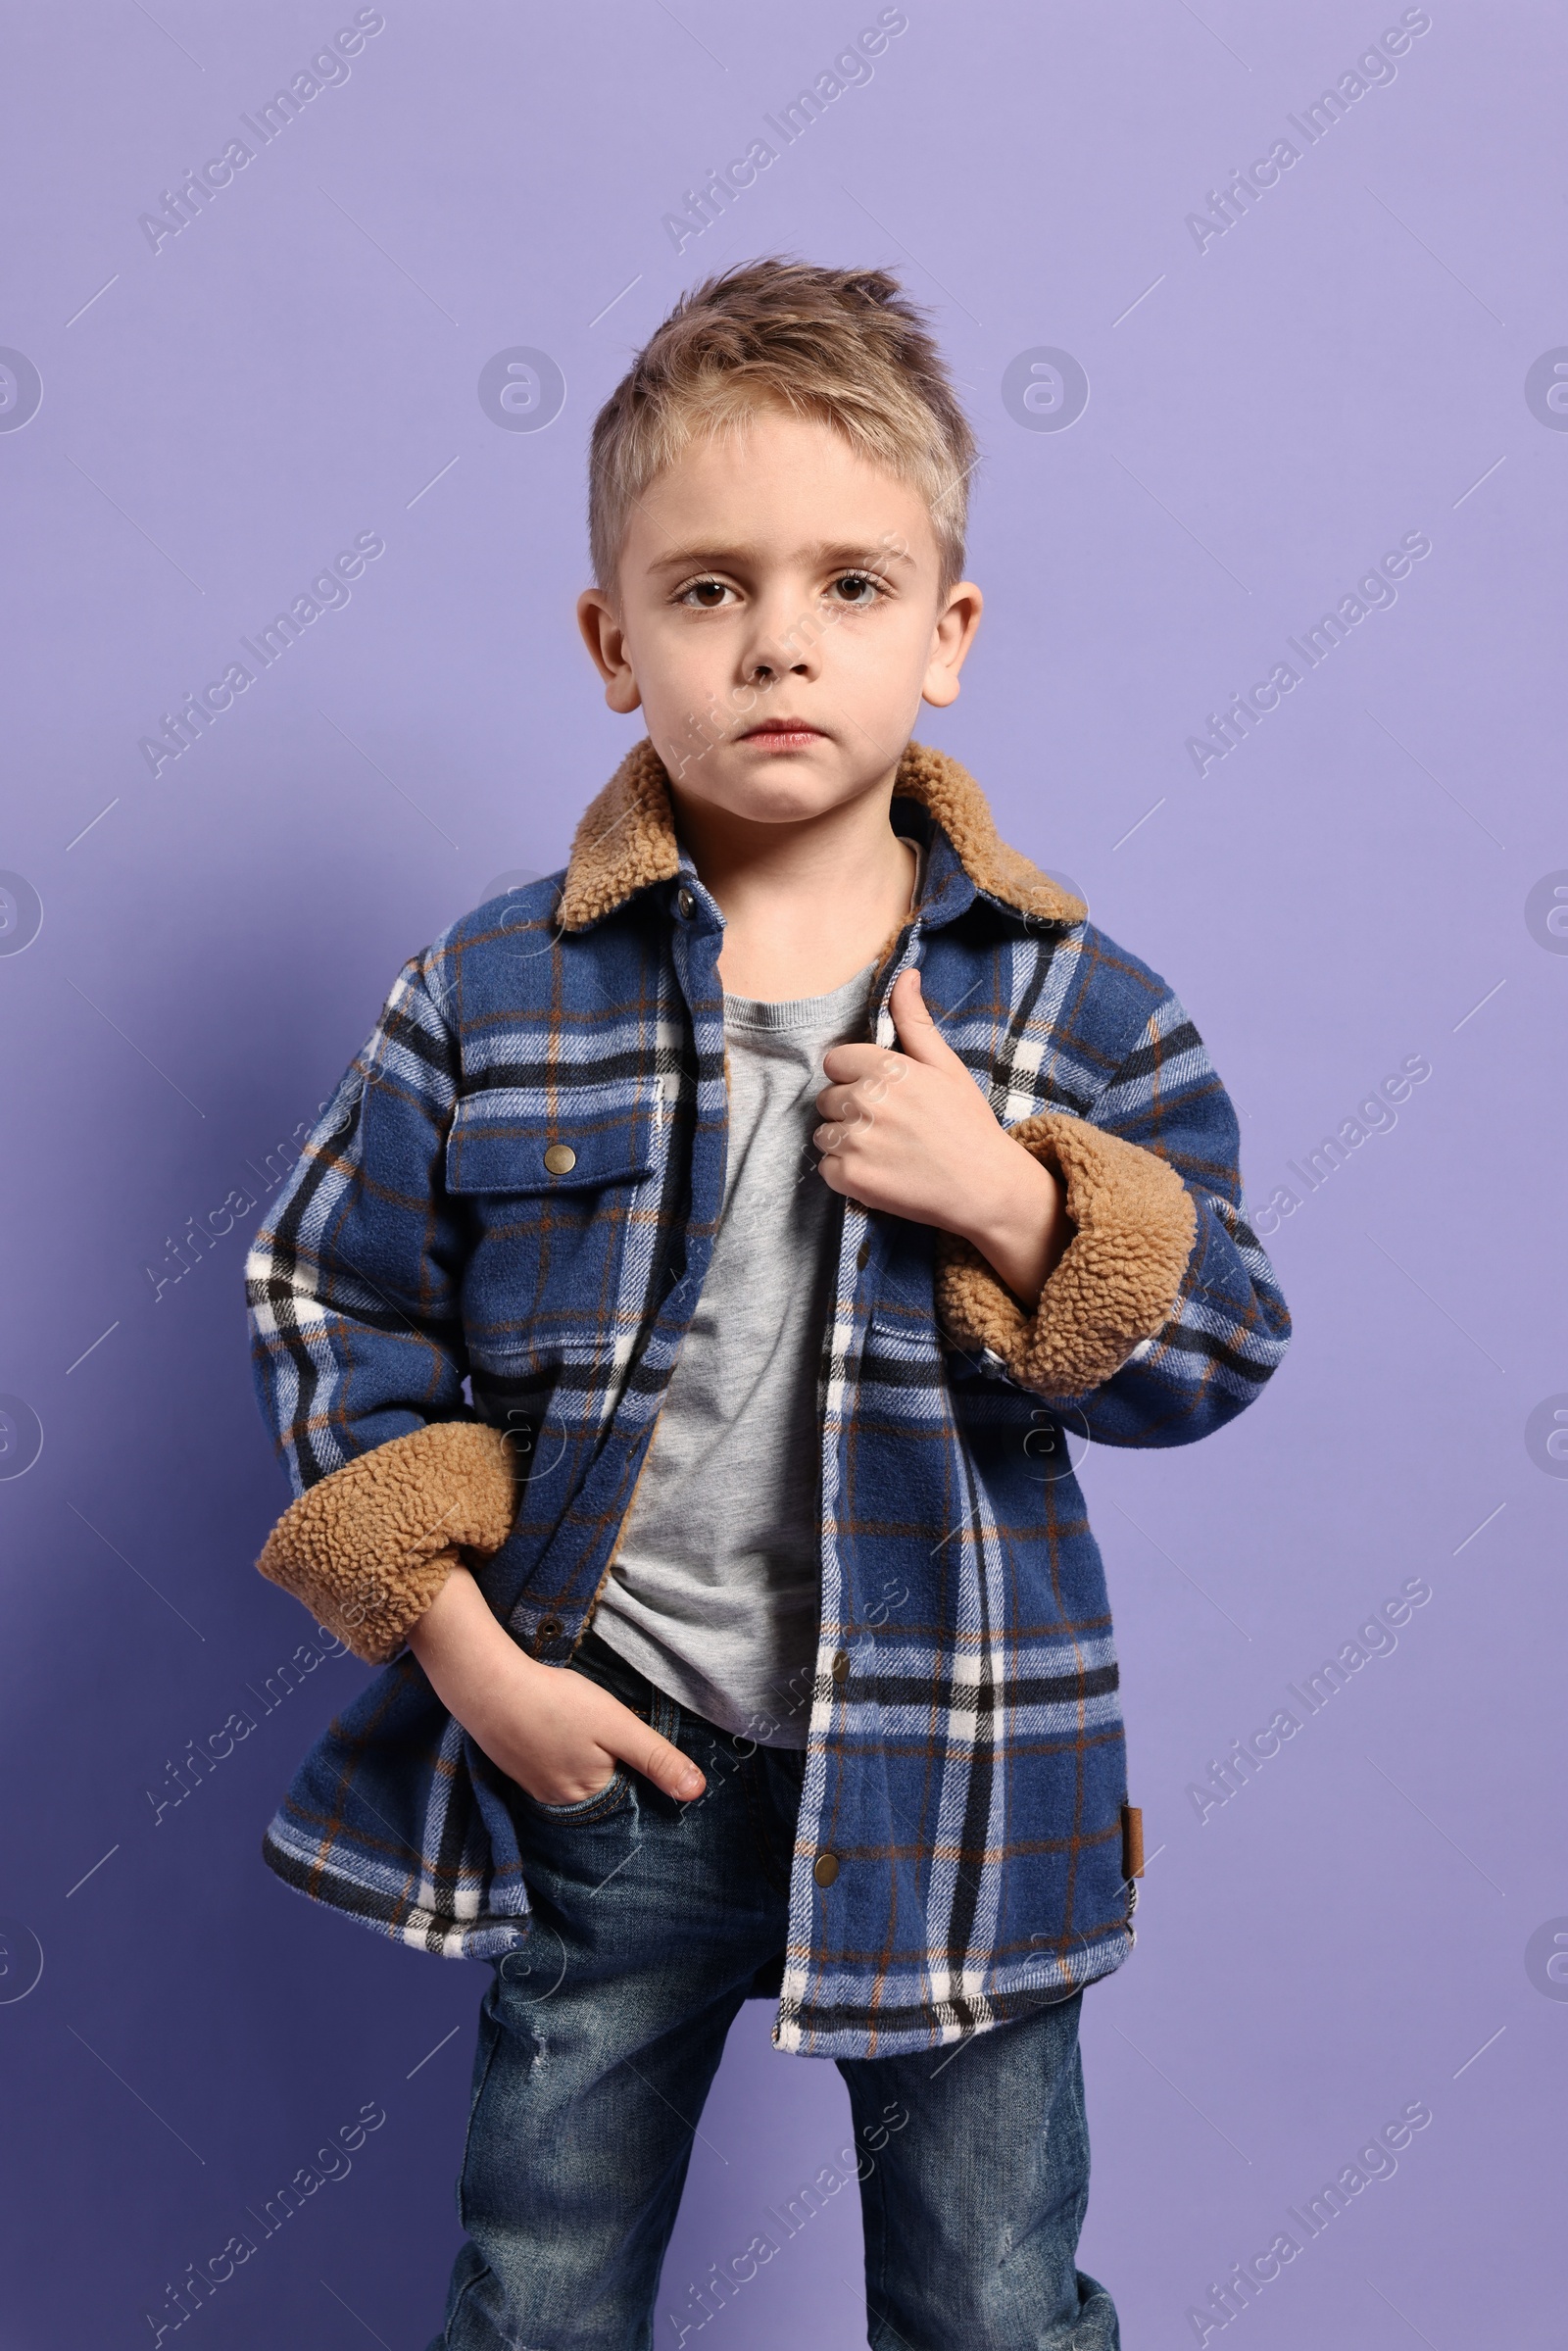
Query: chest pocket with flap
point(499, 1144)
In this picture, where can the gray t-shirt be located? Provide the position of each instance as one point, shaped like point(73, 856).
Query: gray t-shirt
point(715, 1589)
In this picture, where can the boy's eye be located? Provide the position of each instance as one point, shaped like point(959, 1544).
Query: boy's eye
point(706, 594)
point(857, 588)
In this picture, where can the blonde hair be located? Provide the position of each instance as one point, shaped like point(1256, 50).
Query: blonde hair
point(843, 345)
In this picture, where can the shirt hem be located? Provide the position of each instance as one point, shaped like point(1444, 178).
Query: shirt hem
point(881, 2028)
point(400, 1916)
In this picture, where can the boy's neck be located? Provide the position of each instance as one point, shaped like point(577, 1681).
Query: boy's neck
point(808, 904)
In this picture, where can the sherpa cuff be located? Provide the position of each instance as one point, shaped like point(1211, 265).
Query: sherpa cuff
point(370, 1546)
point(1115, 1284)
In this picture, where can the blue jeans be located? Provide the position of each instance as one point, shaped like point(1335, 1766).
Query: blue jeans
point(599, 2042)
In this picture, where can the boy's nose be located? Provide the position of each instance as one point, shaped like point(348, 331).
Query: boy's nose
point(783, 645)
point(765, 672)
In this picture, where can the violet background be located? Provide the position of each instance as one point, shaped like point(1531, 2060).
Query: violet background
point(1346, 889)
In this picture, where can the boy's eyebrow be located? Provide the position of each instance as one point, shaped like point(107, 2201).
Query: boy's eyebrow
point(849, 552)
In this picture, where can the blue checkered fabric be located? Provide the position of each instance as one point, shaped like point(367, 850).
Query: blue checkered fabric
point(422, 1263)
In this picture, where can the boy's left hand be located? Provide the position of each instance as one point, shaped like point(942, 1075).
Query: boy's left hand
point(911, 1133)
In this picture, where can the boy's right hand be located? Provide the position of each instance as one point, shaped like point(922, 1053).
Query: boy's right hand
point(559, 1734)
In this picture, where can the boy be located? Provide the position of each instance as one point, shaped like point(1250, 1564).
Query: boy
point(813, 1696)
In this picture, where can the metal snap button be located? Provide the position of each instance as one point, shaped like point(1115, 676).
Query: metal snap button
point(840, 1667)
point(560, 1158)
point(826, 1867)
point(862, 1255)
point(549, 1629)
point(684, 900)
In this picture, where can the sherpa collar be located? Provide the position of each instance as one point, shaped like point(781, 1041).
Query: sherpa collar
point(626, 838)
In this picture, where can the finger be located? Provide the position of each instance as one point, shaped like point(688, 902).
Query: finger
point(851, 1103)
point(846, 1062)
point(868, 1076)
point(654, 1757)
point(918, 1032)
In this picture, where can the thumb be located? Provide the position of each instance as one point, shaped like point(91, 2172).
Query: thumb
point(916, 1031)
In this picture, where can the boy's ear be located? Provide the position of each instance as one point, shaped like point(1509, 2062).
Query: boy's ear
point(950, 641)
point(605, 640)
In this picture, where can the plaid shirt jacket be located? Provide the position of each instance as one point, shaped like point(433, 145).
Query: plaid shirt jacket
point(467, 1305)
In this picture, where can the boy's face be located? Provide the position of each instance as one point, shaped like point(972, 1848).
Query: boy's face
point(778, 620)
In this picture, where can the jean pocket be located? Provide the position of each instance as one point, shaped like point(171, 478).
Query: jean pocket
point(615, 1793)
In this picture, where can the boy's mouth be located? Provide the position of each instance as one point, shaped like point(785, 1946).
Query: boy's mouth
point(784, 734)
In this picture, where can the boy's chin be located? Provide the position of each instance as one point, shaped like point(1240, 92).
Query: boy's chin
point(778, 788)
